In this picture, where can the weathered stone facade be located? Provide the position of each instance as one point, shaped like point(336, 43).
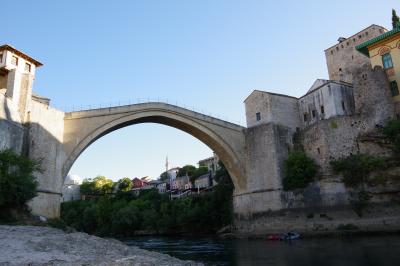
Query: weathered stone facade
point(343, 59)
point(266, 107)
point(330, 99)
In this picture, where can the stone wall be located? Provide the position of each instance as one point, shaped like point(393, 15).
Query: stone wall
point(11, 129)
point(339, 136)
point(377, 217)
point(45, 137)
point(267, 146)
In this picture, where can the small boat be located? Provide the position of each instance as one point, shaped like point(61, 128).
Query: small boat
point(290, 236)
point(273, 237)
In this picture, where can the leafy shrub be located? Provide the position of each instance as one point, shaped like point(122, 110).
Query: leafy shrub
point(392, 133)
point(345, 227)
point(57, 223)
point(356, 168)
point(202, 170)
point(299, 171)
point(17, 183)
point(126, 220)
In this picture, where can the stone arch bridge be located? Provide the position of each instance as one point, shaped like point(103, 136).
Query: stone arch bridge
point(253, 156)
point(227, 140)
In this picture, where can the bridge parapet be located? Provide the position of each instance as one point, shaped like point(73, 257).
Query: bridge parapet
point(141, 106)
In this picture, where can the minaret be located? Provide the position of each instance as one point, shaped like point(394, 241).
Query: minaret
point(166, 164)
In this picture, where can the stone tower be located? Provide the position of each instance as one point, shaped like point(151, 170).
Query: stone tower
point(17, 73)
point(343, 59)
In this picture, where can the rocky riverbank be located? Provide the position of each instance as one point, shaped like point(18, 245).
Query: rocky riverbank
point(35, 245)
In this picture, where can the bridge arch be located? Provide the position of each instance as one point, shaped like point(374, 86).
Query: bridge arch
point(83, 128)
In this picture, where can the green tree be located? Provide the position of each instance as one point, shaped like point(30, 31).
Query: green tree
point(222, 197)
point(395, 19)
point(126, 220)
point(299, 171)
point(87, 187)
point(164, 176)
point(202, 170)
point(188, 170)
point(392, 133)
point(124, 185)
point(17, 182)
point(99, 185)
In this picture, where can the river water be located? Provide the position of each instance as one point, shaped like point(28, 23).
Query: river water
point(360, 251)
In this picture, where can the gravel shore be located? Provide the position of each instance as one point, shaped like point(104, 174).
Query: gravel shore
point(35, 245)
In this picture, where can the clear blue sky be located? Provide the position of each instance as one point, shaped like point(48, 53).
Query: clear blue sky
point(206, 54)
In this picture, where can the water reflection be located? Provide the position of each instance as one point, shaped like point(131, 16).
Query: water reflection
point(327, 252)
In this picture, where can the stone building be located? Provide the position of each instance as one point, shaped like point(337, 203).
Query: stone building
point(384, 51)
point(71, 188)
point(326, 99)
point(211, 163)
point(181, 182)
point(204, 181)
point(265, 107)
point(331, 116)
point(342, 58)
point(30, 126)
point(17, 73)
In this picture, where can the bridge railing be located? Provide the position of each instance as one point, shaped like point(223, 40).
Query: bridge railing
point(110, 104)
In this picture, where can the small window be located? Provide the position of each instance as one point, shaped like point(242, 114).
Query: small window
point(366, 33)
point(322, 109)
point(359, 36)
point(1, 57)
point(387, 61)
point(331, 51)
point(27, 67)
point(314, 113)
point(305, 117)
point(343, 106)
point(319, 151)
point(258, 116)
point(394, 88)
point(14, 60)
